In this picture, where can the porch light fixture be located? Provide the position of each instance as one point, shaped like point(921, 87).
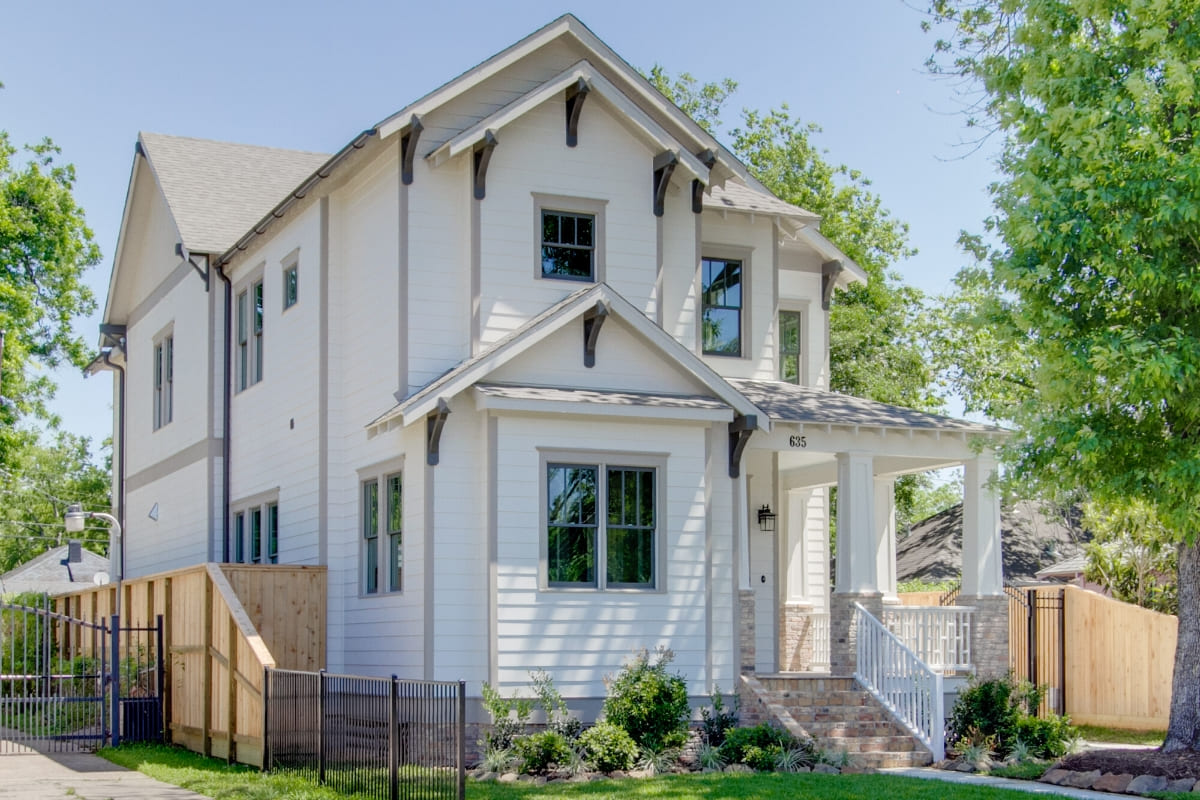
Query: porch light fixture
point(74, 521)
point(766, 518)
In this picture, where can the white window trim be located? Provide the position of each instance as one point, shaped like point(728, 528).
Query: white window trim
point(602, 459)
point(803, 308)
point(254, 368)
point(730, 253)
point(570, 205)
point(288, 263)
point(246, 506)
point(164, 398)
point(380, 473)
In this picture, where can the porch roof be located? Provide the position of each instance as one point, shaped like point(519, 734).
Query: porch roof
point(787, 402)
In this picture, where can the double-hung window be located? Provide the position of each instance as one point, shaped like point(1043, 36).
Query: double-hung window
point(291, 284)
point(370, 536)
point(568, 245)
point(382, 534)
point(721, 282)
point(164, 380)
point(601, 526)
point(789, 346)
point(255, 532)
point(250, 335)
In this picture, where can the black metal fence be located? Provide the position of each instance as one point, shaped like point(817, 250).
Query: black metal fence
point(382, 737)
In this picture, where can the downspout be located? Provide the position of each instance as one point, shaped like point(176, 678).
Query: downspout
point(226, 400)
point(120, 370)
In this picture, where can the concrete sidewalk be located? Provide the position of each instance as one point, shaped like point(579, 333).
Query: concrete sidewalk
point(1032, 787)
point(33, 775)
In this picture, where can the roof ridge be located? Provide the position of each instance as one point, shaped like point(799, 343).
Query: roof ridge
point(227, 143)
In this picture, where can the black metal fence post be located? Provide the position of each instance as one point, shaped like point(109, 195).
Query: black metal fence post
point(394, 740)
point(266, 719)
point(462, 737)
point(1062, 651)
point(161, 677)
point(115, 680)
point(321, 727)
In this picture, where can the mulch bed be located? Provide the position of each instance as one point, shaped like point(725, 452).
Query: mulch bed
point(1183, 764)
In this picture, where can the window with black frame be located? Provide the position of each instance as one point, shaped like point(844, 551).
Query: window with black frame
point(721, 282)
point(568, 246)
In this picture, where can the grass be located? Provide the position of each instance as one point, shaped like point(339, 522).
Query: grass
point(1096, 733)
point(1025, 771)
point(215, 778)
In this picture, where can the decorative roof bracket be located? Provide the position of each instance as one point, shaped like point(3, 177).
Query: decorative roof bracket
point(739, 434)
point(576, 94)
point(708, 158)
point(186, 255)
point(408, 149)
point(434, 422)
point(593, 320)
point(664, 165)
point(482, 156)
point(830, 271)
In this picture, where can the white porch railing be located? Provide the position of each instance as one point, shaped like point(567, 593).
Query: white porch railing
point(819, 631)
point(939, 635)
point(896, 677)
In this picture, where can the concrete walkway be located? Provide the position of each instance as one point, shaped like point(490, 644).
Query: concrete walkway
point(1031, 787)
point(32, 775)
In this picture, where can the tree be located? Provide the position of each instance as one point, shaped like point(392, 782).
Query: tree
point(1132, 555)
point(45, 247)
point(1097, 103)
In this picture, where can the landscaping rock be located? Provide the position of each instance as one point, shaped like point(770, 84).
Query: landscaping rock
point(826, 769)
point(488, 776)
point(1081, 780)
point(1113, 783)
point(618, 773)
point(508, 777)
point(738, 768)
point(963, 766)
point(1180, 785)
point(640, 773)
point(540, 780)
point(1056, 776)
point(1144, 784)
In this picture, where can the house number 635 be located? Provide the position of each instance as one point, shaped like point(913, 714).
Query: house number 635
point(798, 441)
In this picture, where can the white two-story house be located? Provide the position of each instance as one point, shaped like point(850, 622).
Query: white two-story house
point(535, 367)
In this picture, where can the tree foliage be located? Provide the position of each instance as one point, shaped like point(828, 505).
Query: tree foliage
point(1098, 268)
point(1132, 554)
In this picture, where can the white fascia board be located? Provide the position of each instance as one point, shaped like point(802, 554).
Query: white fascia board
point(628, 113)
point(484, 401)
point(852, 272)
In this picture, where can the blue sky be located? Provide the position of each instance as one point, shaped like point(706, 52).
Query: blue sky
point(310, 75)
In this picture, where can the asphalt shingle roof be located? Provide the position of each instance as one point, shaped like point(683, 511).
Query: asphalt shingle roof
point(736, 197)
point(217, 191)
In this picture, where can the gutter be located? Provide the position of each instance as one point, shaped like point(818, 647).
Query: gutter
point(103, 362)
point(281, 209)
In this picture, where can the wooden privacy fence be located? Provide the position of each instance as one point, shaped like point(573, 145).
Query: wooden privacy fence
point(224, 625)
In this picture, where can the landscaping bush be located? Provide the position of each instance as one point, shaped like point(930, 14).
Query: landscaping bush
point(649, 704)
point(761, 747)
point(718, 721)
point(538, 751)
point(1000, 710)
point(509, 718)
point(609, 747)
point(558, 718)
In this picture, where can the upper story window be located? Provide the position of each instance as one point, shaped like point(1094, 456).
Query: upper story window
point(721, 282)
point(568, 245)
point(250, 335)
point(789, 346)
point(291, 283)
point(164, 379)
point(601, 514)
point(382, 514)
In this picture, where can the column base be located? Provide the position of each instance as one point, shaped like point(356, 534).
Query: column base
point(796, 637)
point(989, 634)
point(843, 630)
point(748, 657)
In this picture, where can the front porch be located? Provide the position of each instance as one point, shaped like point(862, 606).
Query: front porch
point(799, 616)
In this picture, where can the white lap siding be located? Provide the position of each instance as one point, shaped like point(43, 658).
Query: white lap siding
point(579, 637)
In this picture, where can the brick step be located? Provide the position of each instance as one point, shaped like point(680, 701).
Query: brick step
point(810, 685)
point(888, 760)
point(870, 744)
point(835, 730)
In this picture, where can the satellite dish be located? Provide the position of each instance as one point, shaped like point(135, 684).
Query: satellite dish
point(100, 578)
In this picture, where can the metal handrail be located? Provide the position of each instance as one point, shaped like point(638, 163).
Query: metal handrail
point(906, 686)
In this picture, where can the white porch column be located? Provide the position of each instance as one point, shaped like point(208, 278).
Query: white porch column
point(885, 538)
point(793, 534)
point(857, 579)
point(982, 573)
point(857, 565)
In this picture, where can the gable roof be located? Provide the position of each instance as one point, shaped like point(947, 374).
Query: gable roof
point(570, 308)
point(46, 572)
point(216, 191)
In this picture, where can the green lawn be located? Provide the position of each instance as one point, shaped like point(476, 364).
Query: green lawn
point(215, 778)
point(1095, 733)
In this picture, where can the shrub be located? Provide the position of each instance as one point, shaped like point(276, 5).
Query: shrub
point(538, 751)
point(609, 747)
point(558, 718)
point(761, 744)
point(509, 718)
point(1000, 711)
point(709, 757)
point(762, 759)
point(1045, 737)
point(795, 759)
point(718, 721)
point(649, 704)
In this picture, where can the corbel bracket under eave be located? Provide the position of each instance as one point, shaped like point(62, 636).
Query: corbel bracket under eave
point(434, 422)
point(664, 165)
point(739, 434)
point(576, 94)
point(408, 149)
point(593, 320)
point(708, 158)
point(186, 255)
point(482, 157)
point(830, 271)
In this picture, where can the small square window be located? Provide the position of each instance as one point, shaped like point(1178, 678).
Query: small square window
point(291, 286)
point(568, 246)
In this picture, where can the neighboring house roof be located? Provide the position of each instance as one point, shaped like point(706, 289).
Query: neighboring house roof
point(736, 197)
point(218, 190)
point(1030, 539)
point(570, 308)
point(787, 402)
point(1067, 568)
point(47, 573)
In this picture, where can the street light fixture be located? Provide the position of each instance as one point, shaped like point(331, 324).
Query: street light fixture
point(74, 521)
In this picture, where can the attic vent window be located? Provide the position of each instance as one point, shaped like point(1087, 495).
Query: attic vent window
point(568, 246)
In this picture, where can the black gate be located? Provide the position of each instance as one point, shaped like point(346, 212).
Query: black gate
point(66, 684)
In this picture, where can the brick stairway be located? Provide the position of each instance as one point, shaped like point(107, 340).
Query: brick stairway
point(836, 712)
